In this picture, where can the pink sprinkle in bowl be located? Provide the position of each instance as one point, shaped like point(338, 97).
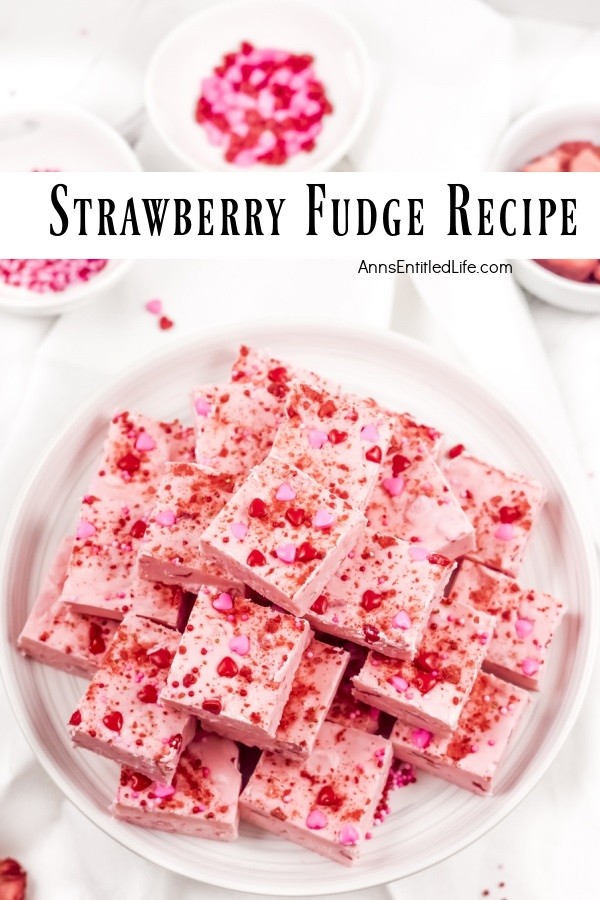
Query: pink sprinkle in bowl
point(191, 51)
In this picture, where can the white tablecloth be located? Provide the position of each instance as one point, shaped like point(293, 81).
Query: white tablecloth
point(47, 367)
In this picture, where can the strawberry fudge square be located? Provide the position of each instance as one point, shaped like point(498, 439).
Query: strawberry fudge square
point(339, 440)
point(235, 665)
point(104, 552)
point(471, 755)
point(502, 506)
point(134, 455)
point(283, 535)
point(202, 799)
point(431, 690)
point(56, 635)
point(235, 426)
point(327, 802)
point(381, 595)
point(262, 370)
point(187, 500)
point(526, 622)
point(120, 716)
point(414, 501)
point(315, 683)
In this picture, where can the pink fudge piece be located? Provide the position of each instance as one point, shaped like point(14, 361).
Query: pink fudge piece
point(409, 434)
point(56, 635)
point(470, 757)
point(381, 595)
point(315, 684)
point(262, 370)
point(235, 426)
point(502, 507)
point(526, 621)
point(120, 716)
point(201, 801)
point(327, 802)
point(101, 577)
point(134, 455)
point(283, 535)
point(188, 499)
point(430, 691)
point(413, 500)
point(235, 665)
point(339, 440)
point(101, 567)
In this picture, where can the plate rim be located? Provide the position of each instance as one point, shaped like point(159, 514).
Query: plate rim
point(263, 330)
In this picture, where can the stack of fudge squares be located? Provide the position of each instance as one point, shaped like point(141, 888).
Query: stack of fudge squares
point(287, 574)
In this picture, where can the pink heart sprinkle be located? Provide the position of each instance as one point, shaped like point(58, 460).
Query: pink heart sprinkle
point(154, 307)
point(286, 553)
point(166, 517)
point(239, 530)
point(144, 442)
point(399, 683)
point(323, 519)
point(421, 738)
point(505, 532)
point(85, 529)
point(240, 644)
point(418, 553)
point(223, 603)
point(163, 791)
point(402, 620)
point(316, 438)
point(349, 836)
point(316, 819)
point(369, 433)
point(394, 486)
point(530, 666)
point(285, 492)
point(523, 627)
point(203, 407)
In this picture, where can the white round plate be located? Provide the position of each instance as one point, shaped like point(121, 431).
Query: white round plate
point(430, 820)
point(192, 50)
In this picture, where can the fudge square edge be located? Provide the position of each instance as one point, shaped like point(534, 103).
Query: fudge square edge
point(283, 535)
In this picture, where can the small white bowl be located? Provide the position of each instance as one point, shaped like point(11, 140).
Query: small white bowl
point(190, 52)
point(67, 139)
point(533, 134)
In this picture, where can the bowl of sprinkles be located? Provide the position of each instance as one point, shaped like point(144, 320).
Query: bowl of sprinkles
point(260, 84)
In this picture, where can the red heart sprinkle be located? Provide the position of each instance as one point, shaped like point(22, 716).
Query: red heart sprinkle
point(175, 742)
point(371, 634)
point(374, 454)
point(256, 558)
point(320, 605)
point(427, 662)
point(113, 721)
point(148, 694)
point(139, 782)
point(436, 559)
point(337, 437)
point(164, 323)
point(509, 514)
point(96, 644)
point(279, 375)
point(370, 600)
point(212, 706)
point(257, 508)
point(306, 552)
point(327, 797)
point(425, 681)
point(399, 464)
point(227, 668)
point(129, 463)
point(295, 516)
point(75, 718)
point(161, 658)
point(455, 451)
point(138, 529)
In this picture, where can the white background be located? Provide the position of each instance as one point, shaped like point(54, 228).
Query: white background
point(545, 359)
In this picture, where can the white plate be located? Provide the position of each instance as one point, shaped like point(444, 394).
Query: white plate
point(431, 820)
point(192, 50)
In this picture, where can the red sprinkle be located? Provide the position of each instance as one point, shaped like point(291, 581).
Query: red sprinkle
point(370, 600)
point(509, 514)
point(161, 658)
point(257, 508)
point(306, 552)
point(75, 718)
point(48, 276)
point(455, 451)
point(320, 605)
point(374, 454)
point(164, 323)
point(256, 558)
point(138, 529)
point(113, 721)
point(212, 706)
point(227, 668)
point(148, 694)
